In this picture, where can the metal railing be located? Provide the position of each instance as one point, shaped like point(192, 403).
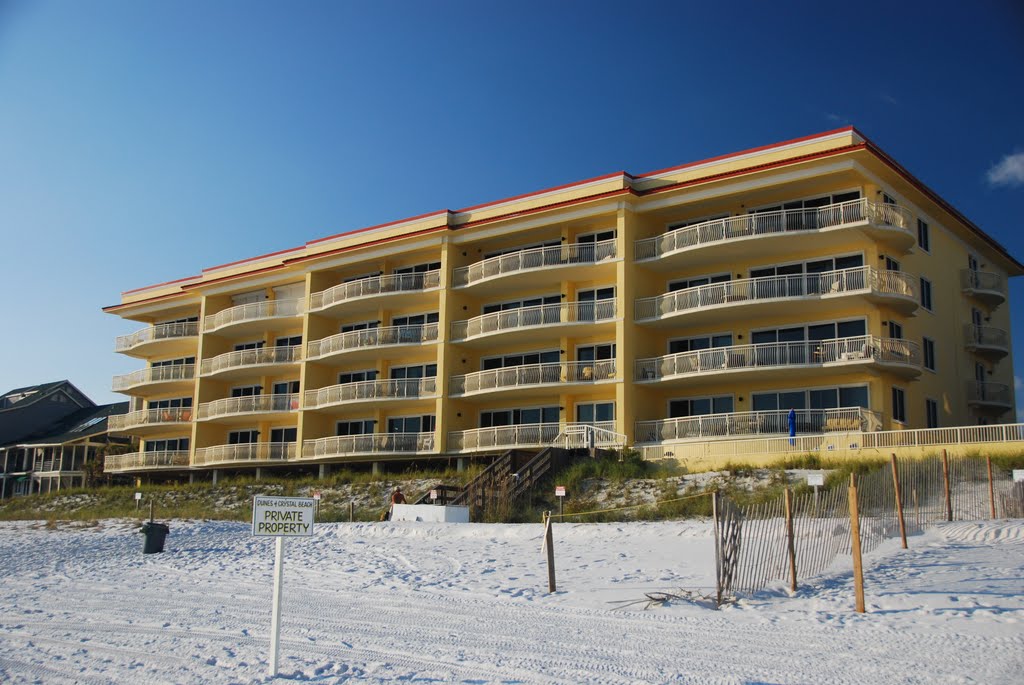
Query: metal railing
point(149, 417)
point(245, 452)
point(532, 374)
point(998, 394)
point(254, 311)
point(533, 258)
point(384, 389)
point(372, 337)
point(522, 435)
point(263, 356)
point(155, 374)
point(757, 423)
point(986, 336)
point(531, 317)
point(170, 459)
point(164, 331)
point(745, 290)
point(773, 355)
point(369, 443)
point(373, 286)
point(586, 435)
point(772, 223)
point(959, 435)
point(985, 281)
point(249, 405)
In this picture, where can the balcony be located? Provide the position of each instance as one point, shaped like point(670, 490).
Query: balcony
point(376, 445)
point(149, 421)
point(156, 379)
point(541, 265)
point(778, 360)
point(394, 390)
point(772, 232)
point(241, 363)
point(167, 339)
point(514, 324)
point(754, 423)
point(985, 286)
point(508, 437)
point(246, 454)
point(987, 341)
point(362, 295)
point(989, 397)
point(524, 380)
point(175, 460)
point(253, 317)
point(372, 343)
point(248, 409)
point(775, 295)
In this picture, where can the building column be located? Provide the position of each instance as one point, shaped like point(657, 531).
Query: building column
point(191, 477)
point(324, 470)
point(215, 472)
point(259, 473)
point(460, 464)
point(376, 468)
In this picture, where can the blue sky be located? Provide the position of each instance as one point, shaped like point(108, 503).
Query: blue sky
point(142, 141)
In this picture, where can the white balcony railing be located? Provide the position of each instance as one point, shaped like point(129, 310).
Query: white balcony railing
point(136, 461)
point(808, 421)
point(155, 374)
point(362, 391)
point(370, 443)
point(164, 331)
point(263, 356)
point(522, 435)
point(253, 404)
point(255, 311)
point(149, 417)
point(989, 394)
point(373, 286)
point(249, 452)
point(773, 355)
point(772, 223)
point(530, 375)
point(986, 336)
point(533, 317)
point(862, 279)
point(982, 282)
point(372, 337)
point(533, 258)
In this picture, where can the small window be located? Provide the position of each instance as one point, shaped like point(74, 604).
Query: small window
point(929, 353)
point(899, 405)
point(926, 294)
point(283, 434)
point(924, 239)
point(931, 410)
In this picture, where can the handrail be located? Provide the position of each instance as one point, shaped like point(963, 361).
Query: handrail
point(533, 258)
point(770, 355)
point(155, 374)
point(391, 388)
point(373, 286)
point(253, 311)
point(771, 422)
point(262, 356)
point(373, 337)
point(149, 417)
point(245, 452)
point(164, 331)
point(985, 281)
point(368, 443)
point(744, 290)
point(521, 435)
point(532, 374)
point(986, 336)
point(530, 317)
point(249, 405)
point(145, 460)
point(584, 435)
point(771, 223)
point(984, 392)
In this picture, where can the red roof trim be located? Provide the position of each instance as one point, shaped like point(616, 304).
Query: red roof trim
point(252, 259)
point(379, 241)
point(150, 287)
point(553, 189)
point(370, 228)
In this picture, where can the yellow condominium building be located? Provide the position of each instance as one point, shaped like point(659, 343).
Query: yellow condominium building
point(694, 303)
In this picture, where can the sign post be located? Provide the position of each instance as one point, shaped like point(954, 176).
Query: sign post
point(816, 480)
point(138, 499)
point(281, 517)
point(560, 494)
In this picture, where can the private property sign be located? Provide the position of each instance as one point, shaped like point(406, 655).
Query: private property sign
point(282, 516)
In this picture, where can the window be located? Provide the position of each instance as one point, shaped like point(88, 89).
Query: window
point(931, 412)
point(419, 268)
point(595, 412)
point(697, 281)
point(888, 199)
point(518, 417)
point(415, 320)
point(249, 346)
point(699, 406)
point(411, 424)
point(283, 435)
point(598, 237)
point(289, 341)
point(496, 253)
point(286, 388)
point(703, 342)
point(176, 403)
point(521, 304)
point(928, 345)
point(526, 358)
point(174, 362)
point(361, 326)
point(924, 239)
point(926, 294)
point(243, 437)
point(168, 445)
point(891, 264)
point(246, 390)
point(360, 427)
point(802, 215)
point(694, 222)
point(596, 304)
point(187, 319)
point(357, 376)
point(819, 398)
point(899, 405)
point(895, 330)
point(421, 371)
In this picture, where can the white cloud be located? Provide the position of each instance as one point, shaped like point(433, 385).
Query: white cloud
point(1009, 172)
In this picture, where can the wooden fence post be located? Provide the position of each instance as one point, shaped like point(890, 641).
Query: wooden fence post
point(549, 545)
point(790, 543)
point(945, 481)
point(718, 547)
point(351, 510)
point(899, 501)
point(991, 488)
point(858, 568)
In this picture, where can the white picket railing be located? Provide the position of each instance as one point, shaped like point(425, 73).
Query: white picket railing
point(982, 282)
point(170, 459)
point(368, 444)
point(532, 374)
point(522, 435)
point(361, 391)
point(164, 331)
point(532, 317)
point(148, 417)
point(742, 291)
point(748, 423)
point(585, 436)
point(533, 258)
point(959, 435)
point(263, 356)
point(986, 336)
point(374, 286)
point(155, 374)
point(251, 404)
point(372, 337)
point(249, 452)
point(855, 349)
point(254, 311)
point(772, 223)
point(995, 394)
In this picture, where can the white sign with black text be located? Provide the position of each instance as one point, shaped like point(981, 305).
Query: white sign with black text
point(282, 516)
